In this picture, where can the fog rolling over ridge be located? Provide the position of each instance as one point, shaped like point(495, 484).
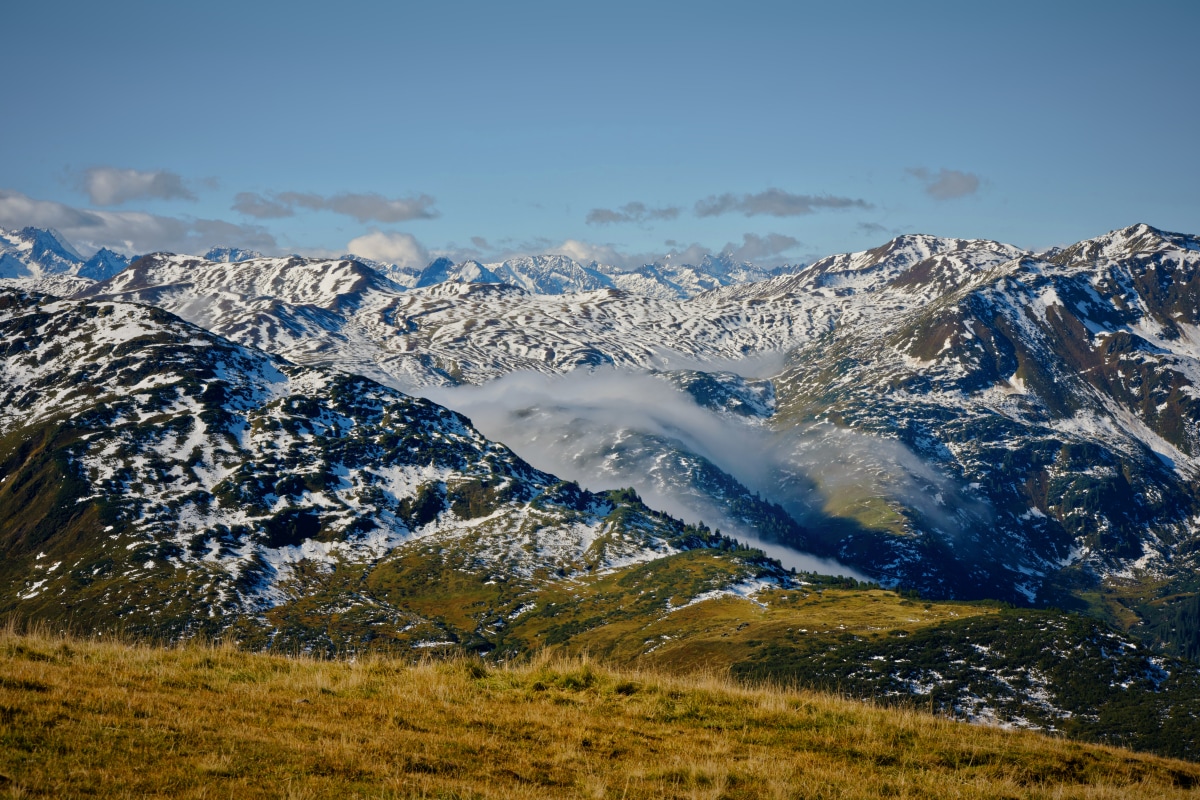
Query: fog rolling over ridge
point(609, 428)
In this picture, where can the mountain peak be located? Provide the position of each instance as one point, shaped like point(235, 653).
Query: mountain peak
point(230, 255)
point(1133, 240)
point(48, 239)
point(103, 264)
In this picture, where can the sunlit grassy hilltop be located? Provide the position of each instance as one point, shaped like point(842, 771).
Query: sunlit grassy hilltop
point(91, 718)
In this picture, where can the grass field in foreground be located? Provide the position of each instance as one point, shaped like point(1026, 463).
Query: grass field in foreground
point(104, 719)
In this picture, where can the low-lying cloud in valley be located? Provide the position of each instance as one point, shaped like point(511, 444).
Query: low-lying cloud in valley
point(613, 428)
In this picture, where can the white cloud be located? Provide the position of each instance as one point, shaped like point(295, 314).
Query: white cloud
point(390, 247)
point(680, 253)
point(586, 252)
point(132, 232)
point(110, 186)
point(18, 210)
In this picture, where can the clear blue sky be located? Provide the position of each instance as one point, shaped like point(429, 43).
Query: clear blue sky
point(485, 128)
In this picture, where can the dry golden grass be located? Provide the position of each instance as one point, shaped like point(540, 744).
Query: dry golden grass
point(90, 718)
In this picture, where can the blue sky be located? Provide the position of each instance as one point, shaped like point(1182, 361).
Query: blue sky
point(619, 131)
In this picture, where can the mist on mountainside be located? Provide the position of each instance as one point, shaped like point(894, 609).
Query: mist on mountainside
point(612, 428)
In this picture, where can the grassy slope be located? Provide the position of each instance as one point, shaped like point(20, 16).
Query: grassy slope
point(89, 717)
point(621, 616)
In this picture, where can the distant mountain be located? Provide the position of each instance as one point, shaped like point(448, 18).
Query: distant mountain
point(34, 254)
point(38, 258)
point(558, 274)
point(552, 275)
point(460, 323)
point(38, 250)
point(231, 255)
point(103, 264)
point(443, 269)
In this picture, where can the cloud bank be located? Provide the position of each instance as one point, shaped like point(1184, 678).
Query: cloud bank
point(946, 184)
point(131, 232)
point(612, 428)
point(608, 430)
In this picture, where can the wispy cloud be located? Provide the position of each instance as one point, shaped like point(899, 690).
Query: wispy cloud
point(875, 229)
point(946, 184)
point(773, 202)
point(364, 207)
point(111, 186)
point(132, 232)
point(631, 212)
point(259, 207)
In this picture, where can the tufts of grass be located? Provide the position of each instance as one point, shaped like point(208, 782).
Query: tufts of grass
point(80, 717)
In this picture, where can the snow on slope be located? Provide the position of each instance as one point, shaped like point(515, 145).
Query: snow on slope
point(43, 260)
point(232, 475)
point(460, 325)
point(891, 339)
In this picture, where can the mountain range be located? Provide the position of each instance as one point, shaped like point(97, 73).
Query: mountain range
point(230, 445)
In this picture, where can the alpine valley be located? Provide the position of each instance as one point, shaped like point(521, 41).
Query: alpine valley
point(1000, 448)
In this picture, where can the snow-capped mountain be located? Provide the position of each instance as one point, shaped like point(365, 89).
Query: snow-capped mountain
point(558, 274)
point(103, 264)
point(37, 258)
point(154, 473)
point(310, 311)
point(927, 266)
point(443, 269)
point(34, 251)
point(231, 255)
point(1053, 403)
point(961, 416)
